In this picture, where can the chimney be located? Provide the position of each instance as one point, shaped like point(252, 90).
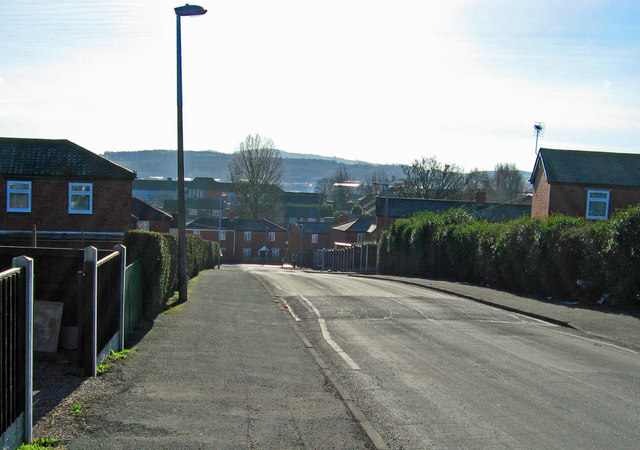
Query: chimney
point(481, 196)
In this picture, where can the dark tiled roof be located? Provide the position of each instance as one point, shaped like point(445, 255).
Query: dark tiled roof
point(192, 203)
point(591, 168)
point(301, 198)
point(360, 225)
point(406, 207)
point(315, 228)
point(155, 185)
point(236, 224)
point(57, 158)
point(146, 211)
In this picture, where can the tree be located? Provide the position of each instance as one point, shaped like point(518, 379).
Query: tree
point(256, 172)
point(428, 178)
point(373, 181)
point(507, 182)
point(339, 195)
point(477, 179)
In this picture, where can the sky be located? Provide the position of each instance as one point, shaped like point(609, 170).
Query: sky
point(378, 81)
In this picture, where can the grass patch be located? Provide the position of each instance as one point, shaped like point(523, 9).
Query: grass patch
point(113, 356)
point(39, 443)
point(77, 409)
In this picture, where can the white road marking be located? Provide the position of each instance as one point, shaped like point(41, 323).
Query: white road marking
point(327, 336)
point(293, 314)
point(595, 341)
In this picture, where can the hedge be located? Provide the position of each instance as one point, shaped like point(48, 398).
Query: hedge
point(159, 255)
point(539, 256)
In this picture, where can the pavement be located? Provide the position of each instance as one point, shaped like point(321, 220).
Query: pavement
point(611, 324)
point(226, 369)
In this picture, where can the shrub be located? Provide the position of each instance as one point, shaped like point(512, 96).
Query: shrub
point(623, 255)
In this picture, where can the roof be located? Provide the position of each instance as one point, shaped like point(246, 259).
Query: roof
point(407, 207)
point(155, 185)
point(315, 227)
point(236, 224)
point(591, 168)
point(146, 211)
point(193, 203)
point(360, 225)
point(302, 198)
point(56, 158)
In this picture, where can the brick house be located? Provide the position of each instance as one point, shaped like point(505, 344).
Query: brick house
point(584, 184)
point(305, 238)
point(63, 190)
point(149, 217)
point(243, 240)
point(354, 231)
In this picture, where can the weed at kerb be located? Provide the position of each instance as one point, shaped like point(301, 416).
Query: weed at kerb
point(39, 443)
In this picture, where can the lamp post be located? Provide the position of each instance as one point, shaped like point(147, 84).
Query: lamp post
point(183, 277)
point(386, 202)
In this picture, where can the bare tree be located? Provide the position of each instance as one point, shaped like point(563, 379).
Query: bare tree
point(372, 182)
point(477, 179)
point(428, 178)
point(256, 172)
point(507, 182)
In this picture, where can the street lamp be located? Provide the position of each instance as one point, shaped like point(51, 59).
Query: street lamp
point(183, 277)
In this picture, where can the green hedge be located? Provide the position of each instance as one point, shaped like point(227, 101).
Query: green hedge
point(536, 256)
point(159, 255)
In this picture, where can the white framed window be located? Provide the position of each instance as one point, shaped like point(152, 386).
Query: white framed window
point(246, 252)
point(272, 236)
point(314, 238)
point(80, 198)
point(222, 235)
point(196, 232)
point(311, 219)
point(192, 212)
point(275, 252)
point(247, 235)
point(597, 204)
point(19, 196)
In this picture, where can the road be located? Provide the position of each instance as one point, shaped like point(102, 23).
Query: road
point(431, 370)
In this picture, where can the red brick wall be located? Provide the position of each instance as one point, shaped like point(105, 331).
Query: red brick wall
point(571, 200)
point(50, 207)
point(541, 195)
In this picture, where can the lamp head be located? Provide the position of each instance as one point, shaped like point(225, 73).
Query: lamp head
point(190, 10)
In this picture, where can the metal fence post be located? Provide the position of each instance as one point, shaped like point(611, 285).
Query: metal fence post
point(123, 267)
point(27, 264)
point(91, 273)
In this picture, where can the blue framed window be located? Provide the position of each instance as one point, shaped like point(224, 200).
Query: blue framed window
point(19, 196)
point(80, 198)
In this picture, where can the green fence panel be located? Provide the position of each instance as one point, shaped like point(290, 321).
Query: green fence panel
point(133, 298)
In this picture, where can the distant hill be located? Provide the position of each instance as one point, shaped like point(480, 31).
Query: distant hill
point(301, 172)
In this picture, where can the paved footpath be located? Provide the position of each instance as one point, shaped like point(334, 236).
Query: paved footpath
point(224, 370)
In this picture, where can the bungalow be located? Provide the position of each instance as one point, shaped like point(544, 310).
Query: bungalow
point(584, 184)
point(64, 191)
point(388, 210)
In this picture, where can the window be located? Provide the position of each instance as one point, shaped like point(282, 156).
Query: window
point(80, 198)
point(360, 237)
point(597, 204)
point(272, 236)
point(222, 235)
point(246, 253)
point(19, 196)
point(247, 235)
point(311, 219)
point(314, 238)
point(196, 232)
point(192, 212)
point(275, 252)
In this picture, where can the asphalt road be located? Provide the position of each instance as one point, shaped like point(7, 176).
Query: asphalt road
point(431, 370)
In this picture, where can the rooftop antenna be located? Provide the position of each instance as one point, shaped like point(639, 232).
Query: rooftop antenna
point(538, 127)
